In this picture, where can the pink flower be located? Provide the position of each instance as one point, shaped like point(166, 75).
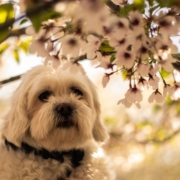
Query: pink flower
point(156, 96)
point(105, 80)
point(162, 53)
point(71, 45)
point(104, 61)
point(167, 89)
point(133, 95)
point(167, 25)
point(136, 21)
point(167, 65)
point(125, 102)
point(153, 70)
point(125, 58)
point(128, 104)
point(142, 84)
point(153, 81)
point(175, 93)
point(92, 46)
point(143, 69)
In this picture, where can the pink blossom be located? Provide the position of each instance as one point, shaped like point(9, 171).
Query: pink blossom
point(128, 104)
point(134, 95)
point(71, 45)
point(92, 46)
point(125, 102)
point(136, 21)
point(163, 53)
point(143, 69)
point(104, 61)
point(125, 58)
point(167, 90)
point(175, 93)
point(142, 84)
point(167, 25)
point(105, 80)
point(153, 81)
point(153, 70)
point(156, 96)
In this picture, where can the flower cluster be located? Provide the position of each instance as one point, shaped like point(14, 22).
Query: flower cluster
point(124, 38)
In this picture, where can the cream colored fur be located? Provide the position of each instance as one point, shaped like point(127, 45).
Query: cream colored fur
point(34, 122)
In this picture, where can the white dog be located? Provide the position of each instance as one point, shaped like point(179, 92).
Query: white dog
point(53, 129)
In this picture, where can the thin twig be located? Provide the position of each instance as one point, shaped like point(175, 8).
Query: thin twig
point(14, 78)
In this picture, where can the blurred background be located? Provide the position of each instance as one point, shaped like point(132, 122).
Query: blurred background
point(144, 143)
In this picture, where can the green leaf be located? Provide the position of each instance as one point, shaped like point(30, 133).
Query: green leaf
point(164, 73)
point(176, 56)
point(6, 15)
point(112, 58)
point(161, 134)
point(151, 2)
point(139, 4)
point(168, 3)
point(125, 10)
point(105, 47)
point(24, 21)
point(3, 47)
point(25, 46)
point(126, 74)
point(143, 124)
point(110, 121)
point(43, 15)
point(16, 55)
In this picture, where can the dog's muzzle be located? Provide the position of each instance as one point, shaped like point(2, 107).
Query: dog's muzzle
point(64, 109)
point(64, 112)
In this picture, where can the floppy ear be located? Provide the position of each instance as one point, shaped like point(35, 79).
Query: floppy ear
point(99, 131)
point(16, 121)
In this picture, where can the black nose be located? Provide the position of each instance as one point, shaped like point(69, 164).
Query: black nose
point(65, 109)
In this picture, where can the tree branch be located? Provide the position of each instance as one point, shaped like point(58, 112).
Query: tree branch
point(10, 79)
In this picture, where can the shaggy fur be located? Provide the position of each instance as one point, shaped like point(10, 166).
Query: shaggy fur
point(35, 119)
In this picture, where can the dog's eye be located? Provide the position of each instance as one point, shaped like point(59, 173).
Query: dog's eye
point(76, 91)
point(44, 95)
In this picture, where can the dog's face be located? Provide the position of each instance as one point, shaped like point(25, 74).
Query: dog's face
point(54, 109)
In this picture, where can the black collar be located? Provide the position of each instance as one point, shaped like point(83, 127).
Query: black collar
point(75, 154)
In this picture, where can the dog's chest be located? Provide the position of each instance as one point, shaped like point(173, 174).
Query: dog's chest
point(19, 166)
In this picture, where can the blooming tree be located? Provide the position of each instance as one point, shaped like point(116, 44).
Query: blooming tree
point(131, 38)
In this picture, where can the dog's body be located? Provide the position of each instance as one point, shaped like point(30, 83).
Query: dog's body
point(53, 129)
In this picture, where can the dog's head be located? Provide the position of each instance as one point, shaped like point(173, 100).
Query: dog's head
point(54, 109)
